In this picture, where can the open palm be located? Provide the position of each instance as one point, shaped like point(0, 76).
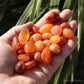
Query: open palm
point(42, 73)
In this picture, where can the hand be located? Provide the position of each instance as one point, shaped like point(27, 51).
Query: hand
point(42, 73)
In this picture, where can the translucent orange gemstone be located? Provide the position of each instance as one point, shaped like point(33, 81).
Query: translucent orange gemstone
point(31, 33)
point(53, 17)
point(35, 29)
point(63, 41)
point(21, 46)
point(23, 57)
point(46, 56)
point(46, 43)
point(39, 46)
point(46, 36)
point(68, 33)
point(56, 30)
point(24, 36)
point(31, 54)
point(30, 65)
point(64, 25)
point(37, 56)
point(36, 37)
point(21, 51)
point(29, 47)
point(31, 38)
point(46, 28)
point(20, 67)
point(15, 43)
point(55, 48)
point(55, 39)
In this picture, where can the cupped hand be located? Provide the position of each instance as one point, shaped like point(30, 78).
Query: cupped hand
point(42, 73)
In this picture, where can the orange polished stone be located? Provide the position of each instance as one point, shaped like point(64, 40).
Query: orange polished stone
point(46, 56)
point(23, 36)
point(46, 28)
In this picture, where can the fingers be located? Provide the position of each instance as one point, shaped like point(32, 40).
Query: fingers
point(67, 49)
point(65, 15)
point(28, 25)
point(37, 75)
point(15, 31)
point(47, 69)
point(7, 59)
point(58, 59)
point(42, 20)
point(73, 25)
point(40, 76)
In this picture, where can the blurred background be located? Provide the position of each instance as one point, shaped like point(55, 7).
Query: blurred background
point(17, 12)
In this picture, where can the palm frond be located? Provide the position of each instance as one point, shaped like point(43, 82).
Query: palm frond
point(25, 14)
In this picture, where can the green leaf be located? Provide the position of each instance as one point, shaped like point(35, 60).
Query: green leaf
point(32, 10)
point(73, 63)
point(25, 14)
point(39, 2)
point(54, 4)
point(58, 73)
point(72, 73)
point(72, 68)
point(35, 9)
point(66, 4)
point(80, 21)
point(40, 14)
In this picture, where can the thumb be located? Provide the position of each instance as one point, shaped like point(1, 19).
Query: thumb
point(15, 31)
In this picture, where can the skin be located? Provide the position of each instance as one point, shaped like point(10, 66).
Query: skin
point(42, 73)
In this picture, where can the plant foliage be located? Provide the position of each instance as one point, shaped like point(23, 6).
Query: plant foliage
point(18, 12)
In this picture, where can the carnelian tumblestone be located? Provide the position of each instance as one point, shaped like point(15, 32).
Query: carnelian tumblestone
point(37, 56)
point(21, 51)
point(46, 36)
point(36, 37)
point(55, 39)
point(46, 56)
point(64, 25)
point(21, 46)
point(35, 29)
point(20, 67)
point(23, 57)
point(31, 33)
point(68, 33)
point(30, 65)
point(39, 46)
point(29, 47)
point(56, 30)
point(63, 41)
point(15, 43)
point(46, 43)
point(23, 36)
point(53, 17)
point(31, 54)
point(46, 28)
point(31, 38)
point(55, 48)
